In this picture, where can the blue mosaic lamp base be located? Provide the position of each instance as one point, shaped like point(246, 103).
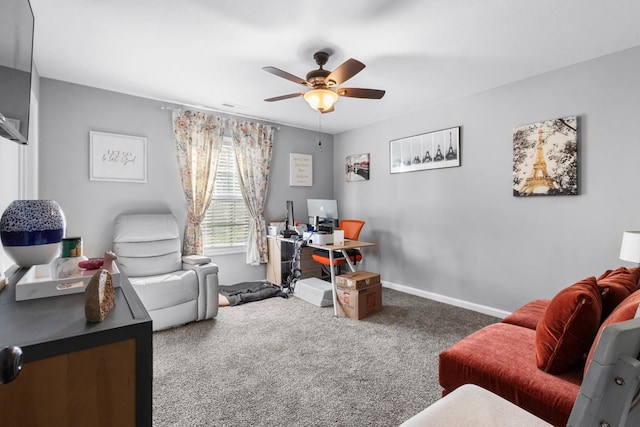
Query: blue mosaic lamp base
point(31, 231)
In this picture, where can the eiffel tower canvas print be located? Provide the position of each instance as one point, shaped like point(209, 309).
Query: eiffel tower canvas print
point(545, 158)
point(431, 150)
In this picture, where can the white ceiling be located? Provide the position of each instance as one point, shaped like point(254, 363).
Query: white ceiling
point(210, 53)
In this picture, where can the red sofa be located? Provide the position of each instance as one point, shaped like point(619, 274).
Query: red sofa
point(536, 357)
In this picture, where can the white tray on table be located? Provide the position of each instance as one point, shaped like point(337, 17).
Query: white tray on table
point(36, 283)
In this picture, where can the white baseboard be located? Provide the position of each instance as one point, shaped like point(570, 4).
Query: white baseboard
point(447, 300)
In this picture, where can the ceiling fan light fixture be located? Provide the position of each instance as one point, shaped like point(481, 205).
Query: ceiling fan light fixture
point(321, 99)
point(324, 85)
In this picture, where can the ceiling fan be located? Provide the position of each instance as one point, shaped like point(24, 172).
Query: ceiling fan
point(324, 83)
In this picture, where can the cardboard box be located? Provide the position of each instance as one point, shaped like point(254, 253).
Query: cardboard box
point(359, 303)
point(357, 279)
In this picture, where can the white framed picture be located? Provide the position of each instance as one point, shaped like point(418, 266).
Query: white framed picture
point(431, 150)
point(301, 170)
point(357, 167)
point(120, 158)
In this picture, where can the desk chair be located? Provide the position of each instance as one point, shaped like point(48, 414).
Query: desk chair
point(609, 395)
point(351, 228)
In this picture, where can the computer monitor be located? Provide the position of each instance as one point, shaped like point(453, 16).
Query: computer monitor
point(322, 208)
point(291, 222)
point(326, 213)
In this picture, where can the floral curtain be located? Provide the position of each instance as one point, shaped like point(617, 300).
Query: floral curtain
point(253, 146)
point(198, 138)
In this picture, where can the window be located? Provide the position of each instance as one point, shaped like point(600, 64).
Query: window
point(225, 227)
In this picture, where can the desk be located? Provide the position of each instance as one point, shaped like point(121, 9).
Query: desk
point(280, 255)
point(348, 244)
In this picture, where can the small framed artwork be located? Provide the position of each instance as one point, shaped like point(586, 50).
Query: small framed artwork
point(121, 158)
point(545, 158)
point(301, 170)
point(357, 167)
point(432, 150)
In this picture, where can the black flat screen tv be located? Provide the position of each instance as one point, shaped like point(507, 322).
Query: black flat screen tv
point(16, 53)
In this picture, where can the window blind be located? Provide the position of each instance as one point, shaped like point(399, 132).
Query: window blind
point(226, 223)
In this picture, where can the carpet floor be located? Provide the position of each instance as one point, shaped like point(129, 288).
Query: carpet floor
point(285, 362)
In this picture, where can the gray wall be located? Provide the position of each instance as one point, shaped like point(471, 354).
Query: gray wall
point(68, 112)
point(460, 233)
point(456, 233)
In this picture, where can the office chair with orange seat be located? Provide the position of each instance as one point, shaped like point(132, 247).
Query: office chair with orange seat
point(351, 228)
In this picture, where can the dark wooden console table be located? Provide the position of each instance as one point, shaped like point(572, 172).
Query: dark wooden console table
point(77, 373)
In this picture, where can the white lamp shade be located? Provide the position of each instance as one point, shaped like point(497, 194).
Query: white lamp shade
point(630, 248)
point(321, 99)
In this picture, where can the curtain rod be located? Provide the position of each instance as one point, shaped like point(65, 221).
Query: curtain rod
point(165, 107)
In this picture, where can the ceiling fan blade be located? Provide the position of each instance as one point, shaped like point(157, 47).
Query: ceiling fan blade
point(281, 97)
point(345, 71)
point(354, 92)
point(280, 73)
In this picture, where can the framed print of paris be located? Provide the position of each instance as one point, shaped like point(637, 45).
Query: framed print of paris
point(545, 158)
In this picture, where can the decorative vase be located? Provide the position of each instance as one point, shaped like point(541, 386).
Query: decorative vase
point(31, 231)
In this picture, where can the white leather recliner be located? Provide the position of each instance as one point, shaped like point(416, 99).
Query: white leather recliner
point(149, 253)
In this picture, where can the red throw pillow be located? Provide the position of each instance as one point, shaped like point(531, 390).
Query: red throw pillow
point(635, 274)
point(625, 311)
point(568, 326)
point(615, 286)
point(628, 277)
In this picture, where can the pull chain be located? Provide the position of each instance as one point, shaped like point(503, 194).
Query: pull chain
point(320, 131)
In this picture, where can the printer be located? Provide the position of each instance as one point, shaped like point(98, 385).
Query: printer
point(321, 238)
